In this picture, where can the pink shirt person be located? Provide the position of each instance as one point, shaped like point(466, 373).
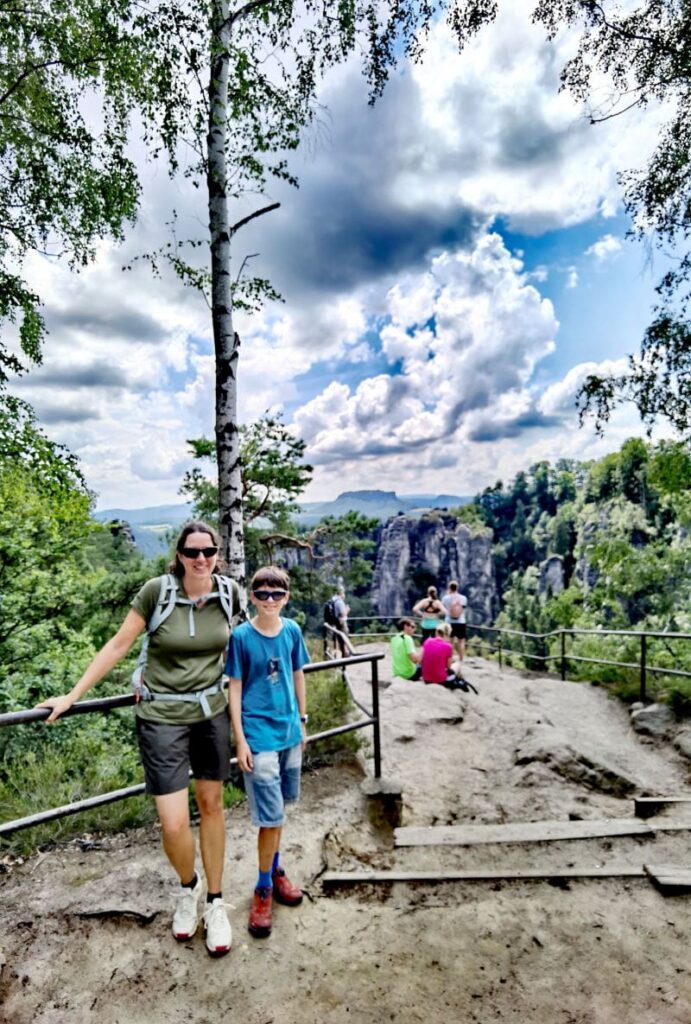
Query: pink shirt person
point(436, 655)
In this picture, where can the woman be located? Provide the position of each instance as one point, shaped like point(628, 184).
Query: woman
point(432, 610)
point(437, 661)
point(181, 715)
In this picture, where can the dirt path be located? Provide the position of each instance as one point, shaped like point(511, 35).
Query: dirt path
point(85, 931)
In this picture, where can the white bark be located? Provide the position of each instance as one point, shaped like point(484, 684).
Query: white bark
point(226, 341)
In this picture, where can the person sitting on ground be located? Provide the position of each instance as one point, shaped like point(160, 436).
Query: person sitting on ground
point(432, 611)
point(455, 604)
point(404, 657)
point(438, 662)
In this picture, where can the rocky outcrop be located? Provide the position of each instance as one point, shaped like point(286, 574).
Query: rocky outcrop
point(655, 720)
point(414, 553)
point(552, 576)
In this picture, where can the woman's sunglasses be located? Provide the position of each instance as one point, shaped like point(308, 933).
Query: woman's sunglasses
point(265, 595)
point(196, 552)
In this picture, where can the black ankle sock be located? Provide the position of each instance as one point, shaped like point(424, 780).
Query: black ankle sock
point(211, 896)
point(190, 885)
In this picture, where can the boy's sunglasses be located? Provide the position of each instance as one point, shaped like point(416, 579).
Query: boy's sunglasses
point(273, 595)
point(196, 552)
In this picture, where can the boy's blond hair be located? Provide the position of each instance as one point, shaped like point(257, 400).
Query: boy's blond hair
point(444, 630)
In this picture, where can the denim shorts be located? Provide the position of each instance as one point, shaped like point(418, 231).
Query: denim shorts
point(273, 782)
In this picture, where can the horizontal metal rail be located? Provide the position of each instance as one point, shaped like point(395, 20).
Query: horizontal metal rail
point(641, 637)
point(107, 704)
point(564, 657)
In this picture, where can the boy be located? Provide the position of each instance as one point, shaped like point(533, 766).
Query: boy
point(268, 711)
point(404, 658)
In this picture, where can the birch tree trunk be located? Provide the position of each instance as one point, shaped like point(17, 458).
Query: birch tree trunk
point(226, 341)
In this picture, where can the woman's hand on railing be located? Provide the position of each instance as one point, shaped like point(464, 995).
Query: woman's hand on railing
point(59, 706)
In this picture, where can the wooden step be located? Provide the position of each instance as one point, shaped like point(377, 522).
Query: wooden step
point(520, 832)
point(646, 806)
point(342, 879)
point(671, 879)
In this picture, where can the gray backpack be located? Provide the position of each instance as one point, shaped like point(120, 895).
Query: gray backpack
point(169, 595)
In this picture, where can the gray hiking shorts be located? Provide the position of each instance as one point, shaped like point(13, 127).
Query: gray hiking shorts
point(169, 751)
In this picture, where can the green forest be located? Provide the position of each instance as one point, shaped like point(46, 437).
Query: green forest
point(615, 532)
point(66, 583)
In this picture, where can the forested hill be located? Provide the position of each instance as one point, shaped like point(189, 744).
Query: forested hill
point(604, 543)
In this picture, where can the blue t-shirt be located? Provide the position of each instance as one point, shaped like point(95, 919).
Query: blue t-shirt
point(265, 664)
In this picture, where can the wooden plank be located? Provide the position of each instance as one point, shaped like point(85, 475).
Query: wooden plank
point(669, 825)
point(646, 806)
point(519, 832)
point(338, 879)
point(670, 877)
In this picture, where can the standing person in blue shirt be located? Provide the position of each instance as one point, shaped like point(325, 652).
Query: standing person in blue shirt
point(268, 711)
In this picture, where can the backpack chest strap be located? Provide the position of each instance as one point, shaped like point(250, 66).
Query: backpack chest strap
point(200, 697)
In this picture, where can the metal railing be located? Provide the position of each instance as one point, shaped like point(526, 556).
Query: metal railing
point(372, 714)
point(106, 704)
point(541, 655)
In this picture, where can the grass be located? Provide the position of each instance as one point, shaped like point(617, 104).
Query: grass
point(35, 784)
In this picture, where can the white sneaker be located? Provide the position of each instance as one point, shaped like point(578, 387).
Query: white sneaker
point(217, 929)
point(186, 916)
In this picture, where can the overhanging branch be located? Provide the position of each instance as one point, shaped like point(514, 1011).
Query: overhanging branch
point(252, 216)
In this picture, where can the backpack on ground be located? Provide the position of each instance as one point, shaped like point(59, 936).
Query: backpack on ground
point(456, 607)
point(225, 592)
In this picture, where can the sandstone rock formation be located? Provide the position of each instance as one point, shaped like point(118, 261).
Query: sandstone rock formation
point(414, 553)
point(552, 576)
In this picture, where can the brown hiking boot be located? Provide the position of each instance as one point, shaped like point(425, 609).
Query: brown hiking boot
point(259, 923)
point(284, 890)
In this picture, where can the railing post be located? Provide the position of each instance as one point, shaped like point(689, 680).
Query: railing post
point(643, 665)
point(562, 634)
point(375, 716)
point(499, 649)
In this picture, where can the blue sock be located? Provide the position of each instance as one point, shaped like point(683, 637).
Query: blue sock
point(277, 857)
point(264, 881)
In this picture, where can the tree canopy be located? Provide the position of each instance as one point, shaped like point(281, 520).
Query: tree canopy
point(644, 50)
point(67, 77)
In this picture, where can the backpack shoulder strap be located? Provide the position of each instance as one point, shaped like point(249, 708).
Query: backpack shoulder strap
point(167, 595)
point(227, 595)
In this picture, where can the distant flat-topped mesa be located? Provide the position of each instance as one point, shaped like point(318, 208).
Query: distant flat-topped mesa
point(415, 553)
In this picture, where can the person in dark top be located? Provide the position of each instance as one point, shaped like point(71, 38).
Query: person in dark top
point(431, 611)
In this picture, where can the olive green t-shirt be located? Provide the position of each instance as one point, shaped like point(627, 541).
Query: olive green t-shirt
point(179, 663)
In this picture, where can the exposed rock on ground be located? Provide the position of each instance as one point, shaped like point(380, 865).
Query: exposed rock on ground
point(654, 720)
point(86, 931)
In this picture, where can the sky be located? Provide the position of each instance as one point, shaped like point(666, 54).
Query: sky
point(453, 265)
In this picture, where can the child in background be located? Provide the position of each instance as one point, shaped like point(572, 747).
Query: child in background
point(268, 712)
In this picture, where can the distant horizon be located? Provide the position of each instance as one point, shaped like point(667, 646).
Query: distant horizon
point(370, 490)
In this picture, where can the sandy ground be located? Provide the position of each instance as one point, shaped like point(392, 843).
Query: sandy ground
point(85, 928)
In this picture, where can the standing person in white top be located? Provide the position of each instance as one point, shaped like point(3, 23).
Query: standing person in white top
point(455, 604)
